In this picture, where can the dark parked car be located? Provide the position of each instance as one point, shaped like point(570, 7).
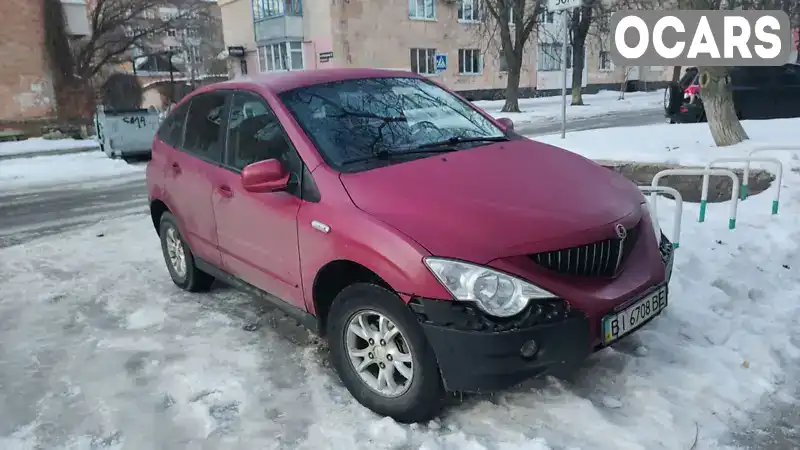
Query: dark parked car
point(436, 249)
point(758, 93)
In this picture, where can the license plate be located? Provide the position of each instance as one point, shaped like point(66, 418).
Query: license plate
point(619, 324)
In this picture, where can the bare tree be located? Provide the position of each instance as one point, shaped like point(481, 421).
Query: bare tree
point(580, 21)
point(513, 21)
point(117, 26)
point(200, 43)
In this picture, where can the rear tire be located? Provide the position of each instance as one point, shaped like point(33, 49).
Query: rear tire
point(375, 312)
point(673, 98)
point(179, 258)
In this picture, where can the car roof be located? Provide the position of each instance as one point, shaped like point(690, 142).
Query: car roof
point(278, 82)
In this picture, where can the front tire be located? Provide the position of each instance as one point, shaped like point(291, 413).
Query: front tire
point(381, 355)
point(179, 258)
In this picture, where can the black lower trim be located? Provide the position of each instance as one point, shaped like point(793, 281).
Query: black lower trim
point(477, 358)
point(302, 317)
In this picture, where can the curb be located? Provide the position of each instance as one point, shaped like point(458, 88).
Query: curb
point(59, 151)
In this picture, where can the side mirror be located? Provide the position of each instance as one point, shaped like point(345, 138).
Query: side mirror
point(265, 176)
point(507, 123)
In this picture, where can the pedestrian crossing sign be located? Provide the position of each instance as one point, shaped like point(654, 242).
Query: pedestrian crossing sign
point(441, 63)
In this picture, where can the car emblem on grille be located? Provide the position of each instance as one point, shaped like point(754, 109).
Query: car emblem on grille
point(622, 233)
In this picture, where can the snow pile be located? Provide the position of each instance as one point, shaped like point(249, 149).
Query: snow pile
point(99, 349)
point(686, 144)
point(601, 104)
point(50, 170)
point(38, 145)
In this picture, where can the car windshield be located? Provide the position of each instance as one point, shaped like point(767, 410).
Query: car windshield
point(386, 119)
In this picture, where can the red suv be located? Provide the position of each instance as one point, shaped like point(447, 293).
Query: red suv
point(435, 248)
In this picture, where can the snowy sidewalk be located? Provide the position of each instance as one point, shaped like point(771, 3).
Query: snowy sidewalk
point(604, 103)
point(57, 170)
point(99, 349)
point(44, 147)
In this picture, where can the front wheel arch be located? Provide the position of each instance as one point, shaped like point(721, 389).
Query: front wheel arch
point(334, 277)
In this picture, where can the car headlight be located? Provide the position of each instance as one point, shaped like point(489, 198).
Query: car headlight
point(497, 293)
point(653, 220)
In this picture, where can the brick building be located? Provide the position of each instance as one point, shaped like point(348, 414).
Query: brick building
point(411, 35)
point(26, 82)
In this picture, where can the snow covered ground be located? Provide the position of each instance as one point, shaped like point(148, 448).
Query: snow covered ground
point(38, 145)
point(41, 171)
point(603, 103)
point(99, 350)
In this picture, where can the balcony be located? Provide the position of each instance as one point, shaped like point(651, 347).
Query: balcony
point(278, 20)
point(76, 17)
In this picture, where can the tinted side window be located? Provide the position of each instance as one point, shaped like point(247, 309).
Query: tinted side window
point(171, 130)
point(790, 75)
point(255, 134)
point(203, 135)
point(753, 76)
point(688, 77)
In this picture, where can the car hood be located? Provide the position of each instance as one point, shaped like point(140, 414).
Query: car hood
point(494, 201)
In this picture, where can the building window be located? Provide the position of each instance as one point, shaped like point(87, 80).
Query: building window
point(282, 56)
point(193, 55)
point(422, 9)
point(171, 32)
point(547, 17)
point(502, 62)
point(258, 9)
point(468, 11)
point(549, 57)
point(469, 61)
point(605, 61)
point(423, 61)
point(272, 8)
point(510, 5)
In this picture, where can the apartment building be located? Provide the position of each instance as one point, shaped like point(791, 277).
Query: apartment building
point(444, 39)
point(195, 41)
point(26, 81)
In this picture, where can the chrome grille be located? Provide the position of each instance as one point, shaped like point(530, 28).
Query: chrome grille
point(598, 259)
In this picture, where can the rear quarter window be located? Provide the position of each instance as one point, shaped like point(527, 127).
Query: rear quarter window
point(171, 129)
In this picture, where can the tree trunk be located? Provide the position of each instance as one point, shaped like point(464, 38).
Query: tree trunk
point(715, 91)
point(512, 89)
point(578, 59)
point(676, 74)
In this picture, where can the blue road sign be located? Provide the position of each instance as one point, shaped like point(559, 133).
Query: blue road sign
point(441, 63)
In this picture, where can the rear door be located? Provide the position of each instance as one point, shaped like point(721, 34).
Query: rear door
point(190, 171)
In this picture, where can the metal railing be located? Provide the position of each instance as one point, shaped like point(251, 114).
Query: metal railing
point(747, 160)
point(767, 148)
point(676, 220)
point(704, 193)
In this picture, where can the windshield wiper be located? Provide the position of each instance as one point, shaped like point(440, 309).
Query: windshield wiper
point(461, 140)
point(386, 155)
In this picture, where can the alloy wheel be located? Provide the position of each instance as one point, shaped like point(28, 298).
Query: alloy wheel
point(379, 353)
point(177, 257)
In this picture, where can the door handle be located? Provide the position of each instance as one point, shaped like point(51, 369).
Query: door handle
point(225, 191)
point(176, 168)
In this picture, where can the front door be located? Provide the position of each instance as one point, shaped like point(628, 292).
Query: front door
point(190, 164)
point(257, 232)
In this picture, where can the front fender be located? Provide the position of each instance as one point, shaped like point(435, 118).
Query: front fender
point(357, 237)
